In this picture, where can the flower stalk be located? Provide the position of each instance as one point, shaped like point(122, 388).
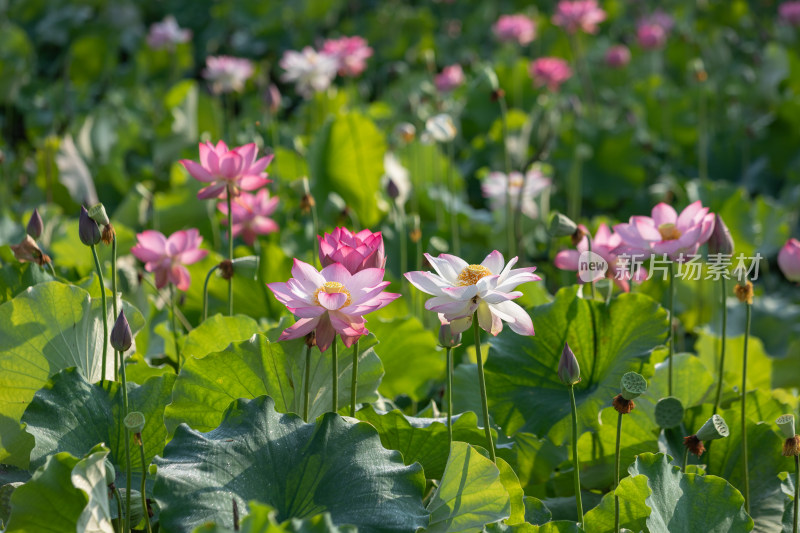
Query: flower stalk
point(576, 464)
point(671, 303)
point(178, 356)
point(354, 382)
point(228, 194)
point(334, 376)
point(482, 383)
point(105, 313)
point(310, 342)
point(722, 348)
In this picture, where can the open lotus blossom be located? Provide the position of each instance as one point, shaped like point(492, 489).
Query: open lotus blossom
point(515, 29)
point(166, 257)
point(789, 260)
point(331, 301)
point(251, 214)
point(309, 70)
point(227, 74)
point(576, 15)
point(605, 244)
point(666, 232)
point(618, 56)
point(449, 78)
point(498, 187)
point(351, 53)
point(237, 169)
point(790, 12)
point(355, 251)
point(459, 289)
point(550, 72)
point(167, 33)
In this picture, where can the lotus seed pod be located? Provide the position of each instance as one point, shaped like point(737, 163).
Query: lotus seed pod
point(111, 474)
point(98, 214)
point(246, 267)
point(786, 423)
point(134, 421)
point(562, 226)
point(633, 385)
point(669, 412)
point(714, 428)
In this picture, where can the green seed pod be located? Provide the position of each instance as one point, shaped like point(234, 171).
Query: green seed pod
point(633, 385)
point(246, 267)
point(786, 423)
point(134, 421)
point(98, 214)
point(714, 428)
point(562, 226)
point(669, 412)
point(111, 474)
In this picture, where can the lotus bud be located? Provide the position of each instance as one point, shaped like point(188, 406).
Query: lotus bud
point(720, 241)
point(88, 230)
point(35, 225)
point(448, 339)
point(134, 421)
point(121, 336)
point(669, 412)
point(111, 474)
point(714, 428)
point(568, 370)
point(98, 214)
point(786, 424)
point(272, 98)
point(562, 226)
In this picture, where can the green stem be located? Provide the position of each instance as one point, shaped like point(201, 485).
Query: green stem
point(589, 249)
point(671, 302)
point(507, 163)
point(105, 313)
point(307, 383)
point(128, 472)
point(144, 480)
point(120, 520)
point(114, 294)
point(449, 352)
point(230, 248)
point(685, 458)
point(577, 468)
point(453, 209)
point(175, 329)
point(334, 376)
point(722, 350)
point(796, 490)
point(402, 234)
point(52, 269)
point(745, 470)
point(205, 292)
point(616, 474)
point(354, 382)
point(482, 382)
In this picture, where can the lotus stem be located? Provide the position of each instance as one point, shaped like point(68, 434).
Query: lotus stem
point(589, 249)
point(671, 303)
point(105, 314)
point(178, 357)
point(453, 208)
point(745, 469)
point(120, 519)
point(334, 376)
point(306, 383)
point(354, 382)
point(507, 162)
point(449, 352)
point(722, 349)
point(114, 294)
point(685, 458)
point(577, 469)
point(138, 438)
point(128, 472)
point(482, 382)
point(228, 193)
point(205, 291)
point(616, 474)
point(796, 490)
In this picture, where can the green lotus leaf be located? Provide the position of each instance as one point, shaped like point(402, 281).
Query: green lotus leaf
point(216, 333)
point(633, 511)
point(263, 519)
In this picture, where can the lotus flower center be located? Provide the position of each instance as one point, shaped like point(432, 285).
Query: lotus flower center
point(471, 275)
point(332, 287)
point(516, 182)
point(669, 232)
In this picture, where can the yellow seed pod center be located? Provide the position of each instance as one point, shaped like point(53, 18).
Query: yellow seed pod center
point(669, 232)
point(332, 287)
point(471, 275)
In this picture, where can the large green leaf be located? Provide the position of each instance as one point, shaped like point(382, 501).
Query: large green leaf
point(346, 157)
point(525, 392)
point(470, 495)
point(43, 330)
point(216, 333)
point(300, 469)
point(70, 415)
point(534, 460)
point(633, 512)
point(688, 502)
point(759, 369)
point(424, 440)
point(206, 386)
point(264, 519)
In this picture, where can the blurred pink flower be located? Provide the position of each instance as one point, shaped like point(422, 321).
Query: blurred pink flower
point(227, 74)
point(666, 232)
point(251, 215)
point(449, 78)
point(166, 34)
point(790, 12)
point(514, 28)
point(351, 53)
point(331, 301)
point(309, 70)
point(789, 260)
point(236, 169)
point(497, 187)
point(355, 251)
point(576, 15)
point(166, 257)
point(549, 71)
point(460, 289)
point(604, 244)
point(618, 56)
point(652, 31)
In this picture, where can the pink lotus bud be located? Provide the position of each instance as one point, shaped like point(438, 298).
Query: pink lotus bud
point(568, 370)
point(121, 336)
point(790, 13)
point(789, 260)
point(88, 230)
point(618, 56)
point(720, 241)
point(450, 78)
point(35, 225)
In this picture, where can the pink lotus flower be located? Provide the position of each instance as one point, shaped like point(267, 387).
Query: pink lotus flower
point(459, 289)
point(652, 31)
point(498, 187)
point(309, 70)
point(449, 78)
point(789, 260)
point(666, 232)
point(618, 56)
point(790, 12)
point(227, 74)
point(350, 52)
point(549, 71)
point(605, 244)
point(166, 34)
point(237, 169)
point(331, 301)
point(576, 15)
point(514, 29)
point(251, 215)
point(355, 251)
point(166, 257)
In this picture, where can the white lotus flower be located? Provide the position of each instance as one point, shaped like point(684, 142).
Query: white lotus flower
point(311, 71)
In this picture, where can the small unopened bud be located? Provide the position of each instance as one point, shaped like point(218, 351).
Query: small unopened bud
point(448, 339)
point(391, 189)
point(108, 234)
point(88, 230)
point(791, 446)
point(714, 428)
point(744, 292)
point(111, 474)
point(568, 370)
point(226, 269)
point(134, 421)
point(98, 214)
point(786, 424)
point(272, 98)
point(121, 336)
point(35, 225)
point(562, 226)
point(720, 241)
point(633, 385)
